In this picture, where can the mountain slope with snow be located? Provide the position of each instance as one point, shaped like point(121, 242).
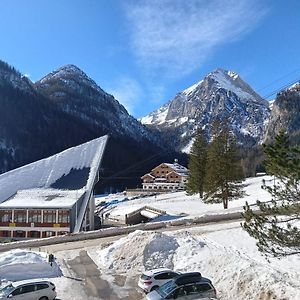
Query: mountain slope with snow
point(79, 95)
point(221, 94)
point(285, 114)
point(67, 108)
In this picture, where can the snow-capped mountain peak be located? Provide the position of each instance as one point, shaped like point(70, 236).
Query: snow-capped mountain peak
point(221, 94)
point(231, 81)
point(72, 76)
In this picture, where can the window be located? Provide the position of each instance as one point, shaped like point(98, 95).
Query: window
point(20, 216)
point(167, 275)
point(17, 292)
point(41, 286)
point(49, 216)
point(49, 233)
point(162, 276)
point(19, 234)
point(34, 234)
point(203, 287)
point(34, 216)
point(179, 292)
point(63, 216)
point(5, 216)
point(27, 288)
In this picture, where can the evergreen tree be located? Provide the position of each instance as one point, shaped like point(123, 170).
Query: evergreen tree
point(223, 181)
point(197, 165)
point(275, 227)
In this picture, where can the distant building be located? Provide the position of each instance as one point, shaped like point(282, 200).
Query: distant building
point(166, 177)
point(52, 196)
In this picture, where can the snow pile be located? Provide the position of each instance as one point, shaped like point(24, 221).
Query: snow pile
point(141, 251)
point(138, 251)
point(235, 274)
point(23, 264)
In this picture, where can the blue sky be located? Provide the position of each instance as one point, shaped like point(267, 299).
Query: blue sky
point(144, 52)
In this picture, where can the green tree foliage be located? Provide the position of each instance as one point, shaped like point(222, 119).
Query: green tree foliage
point(275, 227)
point(197, 164)
point(224, 175)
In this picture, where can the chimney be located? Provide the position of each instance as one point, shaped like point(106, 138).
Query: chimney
point(175, 161)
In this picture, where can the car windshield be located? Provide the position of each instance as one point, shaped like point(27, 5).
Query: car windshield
point(165, 289)
point(6, 290)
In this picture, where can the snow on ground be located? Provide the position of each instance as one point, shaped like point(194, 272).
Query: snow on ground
point(25, 264)
point(179, 203)
point(227, 256)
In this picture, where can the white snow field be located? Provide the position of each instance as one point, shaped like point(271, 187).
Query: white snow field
point(222, 252)
point(178, 203)
point(25, 264)
point(226, 255)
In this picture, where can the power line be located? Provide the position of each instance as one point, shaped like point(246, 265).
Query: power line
point(281, 88)
point(152, 157)
point(278, 79)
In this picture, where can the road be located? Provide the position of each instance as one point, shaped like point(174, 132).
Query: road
point(75, 261)
point(95, 286)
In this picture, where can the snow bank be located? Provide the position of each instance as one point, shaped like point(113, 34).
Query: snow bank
point(137, 251)
point(23, 264)
point(180, 204)
point(235, 274)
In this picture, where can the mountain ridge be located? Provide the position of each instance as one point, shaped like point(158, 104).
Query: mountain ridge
point(64, 109)
point(221, 94)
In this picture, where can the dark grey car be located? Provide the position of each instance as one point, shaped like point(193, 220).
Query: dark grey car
point(188, 286)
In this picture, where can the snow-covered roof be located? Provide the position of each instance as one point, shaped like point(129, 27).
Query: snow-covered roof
point(147, 175)
point(56, 181)
point(179, 169)
point(44, 198)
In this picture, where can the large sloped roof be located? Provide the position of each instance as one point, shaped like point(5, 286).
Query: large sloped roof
point(56, 181)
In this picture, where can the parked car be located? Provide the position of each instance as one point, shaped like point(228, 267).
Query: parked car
point(153, 279)
point(29, 290)
point(186, 286)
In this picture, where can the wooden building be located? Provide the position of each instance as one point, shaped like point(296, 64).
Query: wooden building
point(166, 177)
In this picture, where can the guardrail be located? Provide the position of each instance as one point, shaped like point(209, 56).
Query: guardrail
point(102, 233)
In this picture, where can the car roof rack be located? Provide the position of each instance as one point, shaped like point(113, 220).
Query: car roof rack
point(188, 278)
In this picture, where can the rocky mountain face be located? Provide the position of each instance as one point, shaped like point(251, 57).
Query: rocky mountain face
point(67, 108)
point(221, 94)
point(78, 95)
point(30, 126)
point(285, 115)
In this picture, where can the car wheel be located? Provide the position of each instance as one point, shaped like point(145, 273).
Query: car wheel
point(154, 288)
point(44, 298)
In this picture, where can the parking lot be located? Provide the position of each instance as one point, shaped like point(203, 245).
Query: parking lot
point(98, 288)
point(82, 278)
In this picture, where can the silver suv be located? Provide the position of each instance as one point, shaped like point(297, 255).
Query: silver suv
point(153, 279)
point(187, 286)
point(29, 290)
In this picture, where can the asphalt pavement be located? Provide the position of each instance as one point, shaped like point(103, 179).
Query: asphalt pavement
point(95, 286)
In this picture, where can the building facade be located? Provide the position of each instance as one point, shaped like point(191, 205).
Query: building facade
point(166, 177)
point(53, 196)
point(34, 223)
